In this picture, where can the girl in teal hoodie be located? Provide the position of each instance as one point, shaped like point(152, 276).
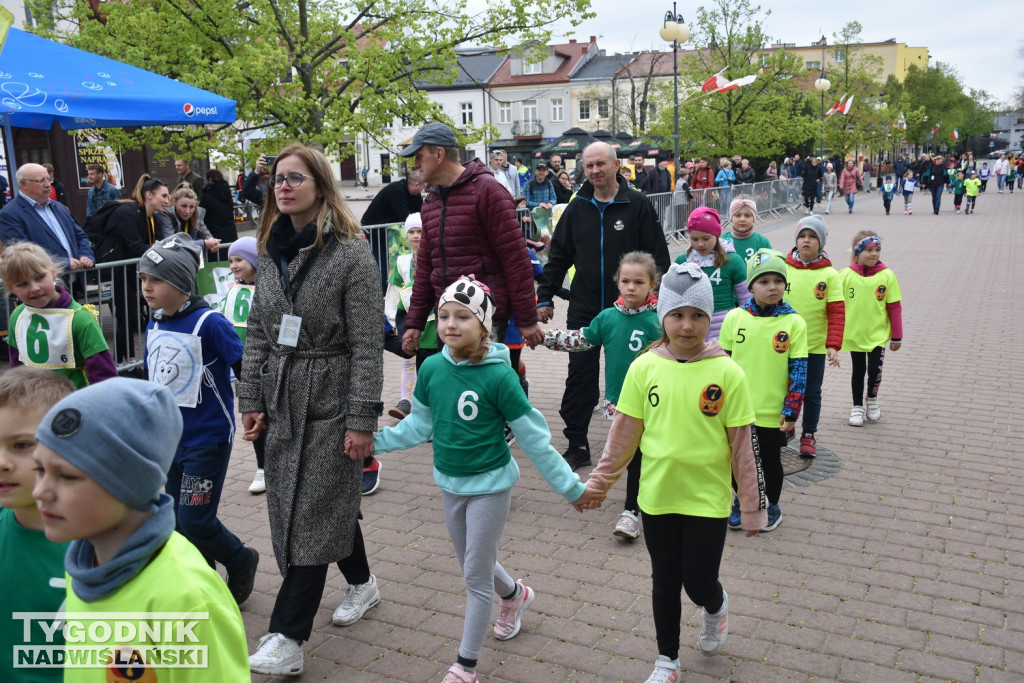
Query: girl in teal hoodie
point(463, 398)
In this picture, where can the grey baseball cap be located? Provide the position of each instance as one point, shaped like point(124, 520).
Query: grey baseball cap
point(431, 134)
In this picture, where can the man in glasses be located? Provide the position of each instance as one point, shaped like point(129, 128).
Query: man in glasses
point(33, 217)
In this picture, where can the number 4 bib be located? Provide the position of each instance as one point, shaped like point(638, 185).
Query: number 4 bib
point(44, 338)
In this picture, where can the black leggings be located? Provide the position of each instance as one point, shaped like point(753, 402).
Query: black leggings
point(686, 553)
point(633, 482)
point(874, 359)
point(768, 448)
point(301, 591)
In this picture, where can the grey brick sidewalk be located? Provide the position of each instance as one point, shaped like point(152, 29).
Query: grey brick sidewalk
point(906, 566)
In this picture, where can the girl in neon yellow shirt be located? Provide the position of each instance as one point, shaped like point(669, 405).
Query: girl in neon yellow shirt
point(684, 385)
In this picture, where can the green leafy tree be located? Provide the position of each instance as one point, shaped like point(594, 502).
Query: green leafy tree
point(764, 119)
point(318, 71)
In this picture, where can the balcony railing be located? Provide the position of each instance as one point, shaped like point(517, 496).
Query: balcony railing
point(527, 129)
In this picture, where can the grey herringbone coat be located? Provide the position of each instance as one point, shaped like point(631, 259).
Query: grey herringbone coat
point(312, 393)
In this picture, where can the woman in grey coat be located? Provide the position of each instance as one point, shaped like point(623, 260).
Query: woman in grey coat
point(311, 377)
point(183, 215)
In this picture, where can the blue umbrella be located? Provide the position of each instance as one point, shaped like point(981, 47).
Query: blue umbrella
point(42, 82)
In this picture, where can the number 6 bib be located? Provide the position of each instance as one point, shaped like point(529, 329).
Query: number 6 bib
point(237, 306)
point(44, 338)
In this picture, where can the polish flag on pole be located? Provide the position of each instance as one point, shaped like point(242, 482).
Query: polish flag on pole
point(845, 109)
point(714, 83)
point(935, 130)
point(835, 107)
point(955, 135)
point(739, 82)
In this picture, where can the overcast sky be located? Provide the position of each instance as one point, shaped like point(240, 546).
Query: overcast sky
point(982, 43)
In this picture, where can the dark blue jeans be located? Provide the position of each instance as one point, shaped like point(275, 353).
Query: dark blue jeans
point(195, 481)
point(812, 395)
point(937, 197)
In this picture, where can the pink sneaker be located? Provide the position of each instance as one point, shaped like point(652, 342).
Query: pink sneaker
point(511, 613)
point(456, 674)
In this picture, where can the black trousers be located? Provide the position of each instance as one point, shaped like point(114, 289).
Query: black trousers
point(301, 591)
point(870, 361)
point(582, 391)
point(686, 553)
point(770, 441)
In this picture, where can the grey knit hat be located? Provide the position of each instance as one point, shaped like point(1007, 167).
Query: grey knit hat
point(175, 260)
point(817, 224)
point(121, 432)
point(685, 284)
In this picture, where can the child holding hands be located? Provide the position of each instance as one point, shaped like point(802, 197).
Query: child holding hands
point(685, 385)
point(463, 398)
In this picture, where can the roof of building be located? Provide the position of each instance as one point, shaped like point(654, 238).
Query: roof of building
point(601, 67)
point(573, 54)
point(474, 71)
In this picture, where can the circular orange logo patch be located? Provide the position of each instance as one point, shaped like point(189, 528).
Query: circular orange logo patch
point(780, 342)
point(711, 400)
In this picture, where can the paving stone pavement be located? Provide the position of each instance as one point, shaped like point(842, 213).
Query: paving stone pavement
point(904, 566)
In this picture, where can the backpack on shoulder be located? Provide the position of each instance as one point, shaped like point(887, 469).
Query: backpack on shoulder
point(106, 246)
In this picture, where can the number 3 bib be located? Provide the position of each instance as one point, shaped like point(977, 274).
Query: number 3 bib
point(44, 338)
point(175, 360)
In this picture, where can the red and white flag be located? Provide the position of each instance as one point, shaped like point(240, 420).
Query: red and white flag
point(935, 130)
point(715, 82)
point(739, 82)
point(835, 107)
point(845, 109)
point(955, 134)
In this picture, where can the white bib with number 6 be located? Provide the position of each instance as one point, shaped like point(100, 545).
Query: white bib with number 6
point(236, 308)
point(44, 338)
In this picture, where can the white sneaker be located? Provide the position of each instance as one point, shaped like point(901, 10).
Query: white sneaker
point(716, 629)
point(874, 411)
point(259, 483)
point(665, 671)
point(628, 526)
point(857, 416)
point(277, 655)
point(358, 600)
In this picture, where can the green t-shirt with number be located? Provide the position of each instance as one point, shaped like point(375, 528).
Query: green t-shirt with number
point(28, 563)
point(470, 404)
point(724, 279)
point(235, 307)
point(623, 336)
point(867, 314)
point(762, 346)
point(746, 247)
point(58, 339)
point(809, 291)
point(686, 408)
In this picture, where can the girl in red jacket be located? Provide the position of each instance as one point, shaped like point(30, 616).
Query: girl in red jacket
point(813, 290)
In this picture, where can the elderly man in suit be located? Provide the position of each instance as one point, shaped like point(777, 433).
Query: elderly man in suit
point(33, 217)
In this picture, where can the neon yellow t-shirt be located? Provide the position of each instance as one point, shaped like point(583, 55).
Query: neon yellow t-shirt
point(972, 186)
point(763, 347)
point(808, 291)
point(867, 318)
point(686, 408)
point(177, 580)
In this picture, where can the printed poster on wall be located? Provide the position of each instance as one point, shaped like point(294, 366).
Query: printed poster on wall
point(91, 148)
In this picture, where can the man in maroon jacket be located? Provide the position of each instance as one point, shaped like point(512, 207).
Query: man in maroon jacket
point(469, 228)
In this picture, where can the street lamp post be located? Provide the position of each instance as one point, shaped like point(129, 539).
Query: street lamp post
point(674, 30)
point(822, 85)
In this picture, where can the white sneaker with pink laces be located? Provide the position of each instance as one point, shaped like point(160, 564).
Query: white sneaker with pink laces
point(511, 613)
point(456, 674)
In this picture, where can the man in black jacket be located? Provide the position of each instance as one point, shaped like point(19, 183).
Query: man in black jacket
point(641, 178)
point(605, 221)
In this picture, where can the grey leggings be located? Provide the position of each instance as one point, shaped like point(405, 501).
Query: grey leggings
point(475, 524)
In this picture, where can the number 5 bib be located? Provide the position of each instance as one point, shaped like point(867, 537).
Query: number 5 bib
point(44, 338)
point(175, 360)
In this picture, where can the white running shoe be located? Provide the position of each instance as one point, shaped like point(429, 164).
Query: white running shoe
point(277, 655)
point(628, 526)
point(874, 412)
point(665, 671)
point(857, 416)
point(259, 483)
point(716, 629)
point(358, 600)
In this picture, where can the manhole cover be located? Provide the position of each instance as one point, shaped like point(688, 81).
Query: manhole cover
point(806, 471)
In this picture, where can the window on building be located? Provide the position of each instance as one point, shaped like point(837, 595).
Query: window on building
point(764, 59)
point(556, 109)
point(604, 109)
point(584, 110)
point(813, 65)
point(504, 112)
point(531, 69)
point(467, 113)
point(839, 56)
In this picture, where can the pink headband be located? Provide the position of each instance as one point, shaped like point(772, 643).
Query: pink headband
point(741, 202)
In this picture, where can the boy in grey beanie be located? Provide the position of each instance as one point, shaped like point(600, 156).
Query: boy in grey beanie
point(191, 349)
point(100, 472)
